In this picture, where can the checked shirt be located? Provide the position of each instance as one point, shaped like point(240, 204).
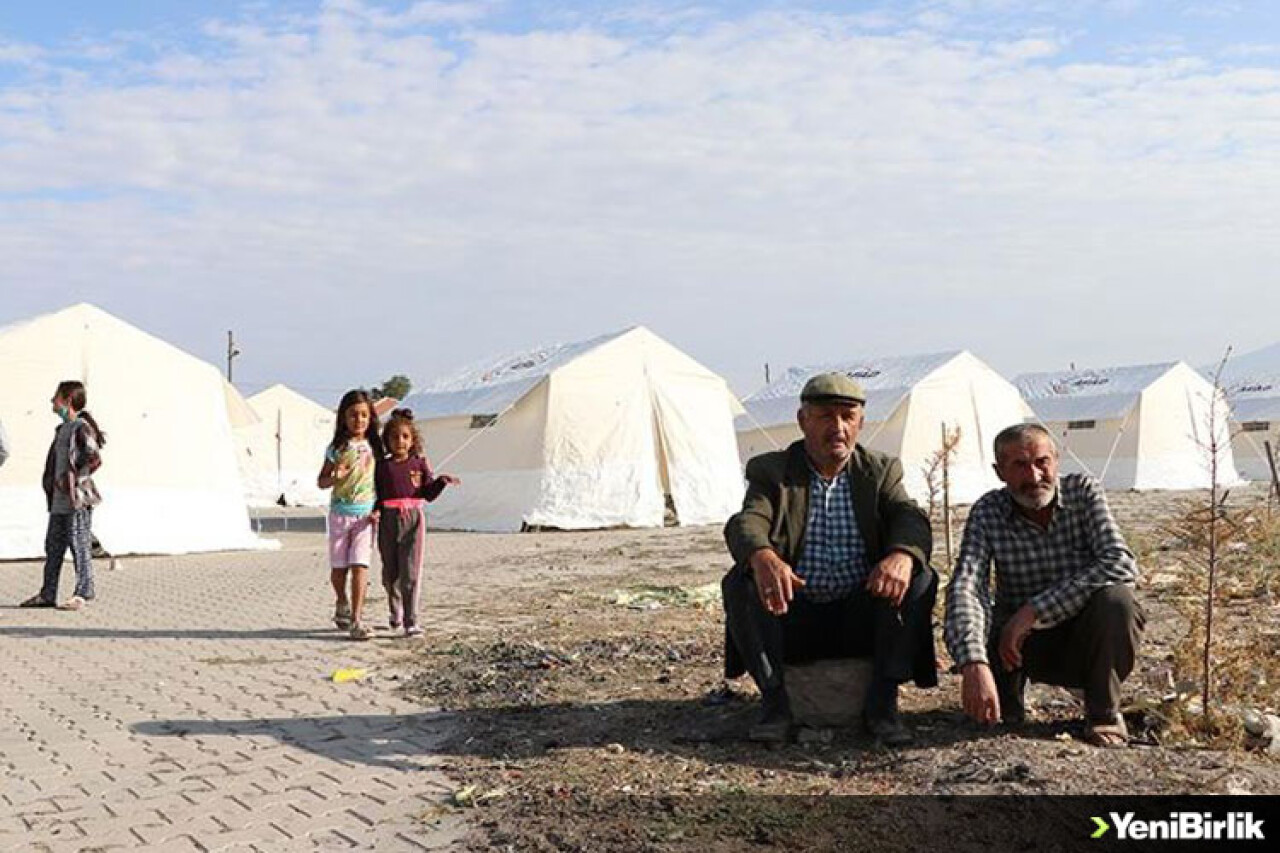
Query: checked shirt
point(833, 562)
point(1056, 569)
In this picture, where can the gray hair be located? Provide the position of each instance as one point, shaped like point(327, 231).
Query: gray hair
point(1020, 434)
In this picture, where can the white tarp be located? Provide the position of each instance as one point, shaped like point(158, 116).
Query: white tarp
point(1134, 427)
point(909, 399)
point(280, 455)
point(169, 479)
point(585, 435)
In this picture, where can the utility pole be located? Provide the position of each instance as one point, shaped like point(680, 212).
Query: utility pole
point(232, 352)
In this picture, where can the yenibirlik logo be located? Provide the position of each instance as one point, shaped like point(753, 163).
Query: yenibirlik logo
point(1183, 826)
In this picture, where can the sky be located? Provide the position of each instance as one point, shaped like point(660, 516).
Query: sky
point(359, 189)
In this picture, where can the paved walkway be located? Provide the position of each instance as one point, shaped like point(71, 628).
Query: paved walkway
point(189, 708)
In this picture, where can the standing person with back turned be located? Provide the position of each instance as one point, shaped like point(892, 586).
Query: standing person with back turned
point(831, 561)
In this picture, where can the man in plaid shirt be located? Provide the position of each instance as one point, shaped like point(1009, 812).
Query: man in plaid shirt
point(831, 561)
point(1064, 610)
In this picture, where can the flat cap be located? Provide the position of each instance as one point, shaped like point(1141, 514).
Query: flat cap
point(833, 388)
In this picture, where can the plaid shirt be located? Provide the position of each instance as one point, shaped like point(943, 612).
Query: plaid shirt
point(834, 559)
point(1055, 569)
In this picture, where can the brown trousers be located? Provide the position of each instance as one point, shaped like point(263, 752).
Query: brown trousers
point(1094, 650)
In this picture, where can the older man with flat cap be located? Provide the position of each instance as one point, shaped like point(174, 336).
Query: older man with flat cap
point(831, 561)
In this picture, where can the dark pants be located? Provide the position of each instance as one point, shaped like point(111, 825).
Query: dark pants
point(1094, 650)
point(68, 530)
point(402, 536)
point(899, 640)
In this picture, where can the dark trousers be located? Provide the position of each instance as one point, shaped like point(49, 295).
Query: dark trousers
point(899, 640)
point(402, 534)
point(68, 530)
point(1094, 650)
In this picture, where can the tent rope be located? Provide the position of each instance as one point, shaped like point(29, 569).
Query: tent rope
point(1063, 445)
point(880, 425)
point(481, 431)
point(759, 427)
point(1116, 443)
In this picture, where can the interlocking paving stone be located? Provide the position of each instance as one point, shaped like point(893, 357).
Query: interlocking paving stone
point(189, 708)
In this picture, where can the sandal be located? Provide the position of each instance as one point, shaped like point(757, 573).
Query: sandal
point(75, 602)
point(342, 616)
point(359, 632)
point(1112, 735)
point(37, 600)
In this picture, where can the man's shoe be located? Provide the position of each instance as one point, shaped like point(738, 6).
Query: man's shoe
point(1112, 734)
point(890, 731)
point(774, 725)
point(1011, 688)
point(880, 715)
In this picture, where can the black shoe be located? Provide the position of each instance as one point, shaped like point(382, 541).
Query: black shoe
point(774, 725)
point(1011, 687)
point(890, 731)
point(880, 715)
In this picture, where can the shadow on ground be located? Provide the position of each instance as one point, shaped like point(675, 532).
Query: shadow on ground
point(686, 728)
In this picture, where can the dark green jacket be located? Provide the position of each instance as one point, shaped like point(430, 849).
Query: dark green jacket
point(776, 508)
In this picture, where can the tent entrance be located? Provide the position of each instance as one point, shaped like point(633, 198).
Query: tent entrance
point(670, 518)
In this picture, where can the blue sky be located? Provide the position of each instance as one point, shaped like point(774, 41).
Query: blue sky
point(362, 188)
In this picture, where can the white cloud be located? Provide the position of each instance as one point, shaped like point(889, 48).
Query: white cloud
point(575, 179)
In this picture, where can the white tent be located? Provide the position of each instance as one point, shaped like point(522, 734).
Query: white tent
point(280, 455)
point(169, 480)
point(1252, 385)
point(909, 398)
point(1133, 427)
point(585, 435)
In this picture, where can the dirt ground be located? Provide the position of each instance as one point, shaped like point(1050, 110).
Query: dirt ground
point(584, 672)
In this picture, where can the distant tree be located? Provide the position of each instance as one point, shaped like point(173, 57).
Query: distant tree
point(397, 387)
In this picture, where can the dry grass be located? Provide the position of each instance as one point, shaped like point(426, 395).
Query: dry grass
point(1245, 653)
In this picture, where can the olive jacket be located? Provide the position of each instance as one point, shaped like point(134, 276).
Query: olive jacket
point(775, 512)
point(776, 508)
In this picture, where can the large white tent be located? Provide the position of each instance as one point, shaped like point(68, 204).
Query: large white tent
point(1252, 385)
point(909, 399)
point(1134, 427)
point(281, 453)
point(585, 435)
point(169, 480)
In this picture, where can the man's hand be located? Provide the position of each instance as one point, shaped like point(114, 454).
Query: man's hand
point(978, 694)
point(775, 582)
point(891, 577)
point(1014, 635)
